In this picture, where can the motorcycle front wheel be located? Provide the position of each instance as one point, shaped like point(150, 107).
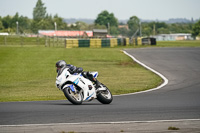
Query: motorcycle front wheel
point(75, 98)
point(105, 96)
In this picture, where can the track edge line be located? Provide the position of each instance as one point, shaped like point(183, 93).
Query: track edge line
point(147, 67)
point(89, 123)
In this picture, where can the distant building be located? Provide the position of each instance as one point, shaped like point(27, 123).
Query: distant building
point(88, 34)
point(100, 32)
point(173, 37)
point(198, 38)
point(4, 34)
point(123, 26)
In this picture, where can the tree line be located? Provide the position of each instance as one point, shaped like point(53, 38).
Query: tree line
point(105, 20)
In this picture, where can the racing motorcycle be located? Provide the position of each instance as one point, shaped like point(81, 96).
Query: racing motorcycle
point(77, 88)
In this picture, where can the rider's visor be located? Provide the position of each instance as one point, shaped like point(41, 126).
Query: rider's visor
point(58, 68)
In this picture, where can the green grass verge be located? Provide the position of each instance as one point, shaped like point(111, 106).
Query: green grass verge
point(178, 44)
point(28, 73)
point(21, 40)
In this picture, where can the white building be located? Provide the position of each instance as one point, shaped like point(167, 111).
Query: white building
point(173, 37)
point(4, 34)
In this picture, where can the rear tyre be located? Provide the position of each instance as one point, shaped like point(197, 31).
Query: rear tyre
point(105, 96)
point(75, 98)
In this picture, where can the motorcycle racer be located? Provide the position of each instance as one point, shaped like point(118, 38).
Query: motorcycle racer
point(61, 65)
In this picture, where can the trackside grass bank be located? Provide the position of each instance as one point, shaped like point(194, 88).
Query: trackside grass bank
point(28, 73)
point(188, 43)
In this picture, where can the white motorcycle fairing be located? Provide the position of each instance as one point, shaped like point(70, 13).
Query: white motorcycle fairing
point(65, 79)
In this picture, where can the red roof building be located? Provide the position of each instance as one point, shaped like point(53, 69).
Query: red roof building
point(65, 33)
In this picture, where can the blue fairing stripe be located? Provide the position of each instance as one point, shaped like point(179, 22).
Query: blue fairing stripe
point(89, 96)
point(72, 88)
point(95, 75)
point(76, 81)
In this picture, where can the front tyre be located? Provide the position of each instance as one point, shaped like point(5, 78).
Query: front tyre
point(105, 96)
point(75, 98)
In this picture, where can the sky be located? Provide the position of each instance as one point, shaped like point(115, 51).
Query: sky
point(122, 9)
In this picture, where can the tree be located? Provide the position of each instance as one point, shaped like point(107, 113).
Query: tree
point(105, 18)
point(133, 24)
point(159, 27)
point(39, 11)
point(1, 25)
point(163, 30)
point(23, 23)
point(81, 25)
point(146, 29)
point(96, 26)
point(61, 25)
point(196, 29)
point(123, 31)
point(114, 30)
point(6, 22)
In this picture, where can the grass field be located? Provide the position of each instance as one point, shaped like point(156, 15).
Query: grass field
point(28, 73)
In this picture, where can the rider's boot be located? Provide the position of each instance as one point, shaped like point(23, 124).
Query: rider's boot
point(97, 83)
point(91, 78)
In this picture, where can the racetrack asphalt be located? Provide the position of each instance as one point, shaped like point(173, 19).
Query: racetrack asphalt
point(179, 99)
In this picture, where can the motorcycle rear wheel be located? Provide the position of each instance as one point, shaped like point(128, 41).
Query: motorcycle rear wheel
point(105, 97)
point(75, 98)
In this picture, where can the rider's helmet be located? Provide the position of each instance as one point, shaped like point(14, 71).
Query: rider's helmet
point(59, 65)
